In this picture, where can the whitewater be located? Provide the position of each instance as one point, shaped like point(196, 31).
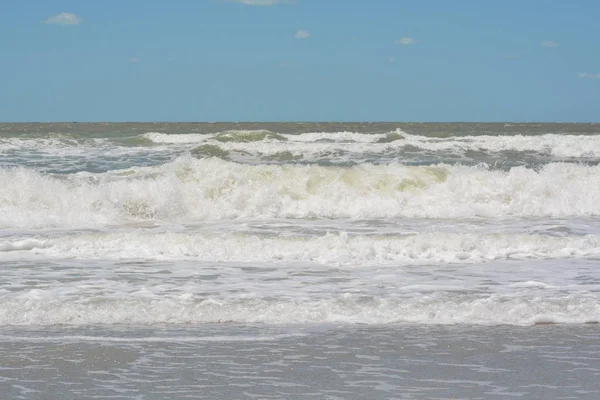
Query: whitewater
point(146, 239)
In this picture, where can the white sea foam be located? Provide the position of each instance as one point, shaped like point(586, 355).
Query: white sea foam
point(190, 189)
point(340, 137)
point(44, 310)
point(330, 249)
point(556, 145)
point(64, 147)
point(25, 244)
point(69, 154)
point(158, 137)
point(562, 146)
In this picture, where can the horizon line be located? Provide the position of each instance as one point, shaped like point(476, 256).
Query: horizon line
point(299, 122)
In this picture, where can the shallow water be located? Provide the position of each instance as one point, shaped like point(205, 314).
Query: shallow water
point(296, 362)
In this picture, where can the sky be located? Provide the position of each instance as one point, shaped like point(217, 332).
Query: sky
point(300, 60)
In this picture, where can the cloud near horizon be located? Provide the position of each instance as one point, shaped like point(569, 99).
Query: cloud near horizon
point(550, 43)
point(405, 41)
point(302, 34)
point(64, 19)
point(586, 75)
point(260, 2)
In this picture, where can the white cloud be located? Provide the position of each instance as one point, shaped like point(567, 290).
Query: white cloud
point(302, 34)
point(133, 60)
point(550, 43)
point(260, 2)
point(405, 41)
point(64, 19)
point(391, 59)
point(585, 75)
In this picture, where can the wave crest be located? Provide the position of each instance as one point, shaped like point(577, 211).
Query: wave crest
point(190, 189)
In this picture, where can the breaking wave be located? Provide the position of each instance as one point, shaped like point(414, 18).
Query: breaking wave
point(209, 189)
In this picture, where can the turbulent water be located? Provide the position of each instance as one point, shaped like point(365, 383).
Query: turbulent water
point(113, 228)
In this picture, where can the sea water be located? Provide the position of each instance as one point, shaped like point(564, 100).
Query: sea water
point(299, 260)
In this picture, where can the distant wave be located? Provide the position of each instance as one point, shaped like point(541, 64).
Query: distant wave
point(556, 145)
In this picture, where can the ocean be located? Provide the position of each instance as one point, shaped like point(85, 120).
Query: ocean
point(299, 260)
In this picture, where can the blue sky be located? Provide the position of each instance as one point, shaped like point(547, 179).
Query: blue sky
point(302, 60)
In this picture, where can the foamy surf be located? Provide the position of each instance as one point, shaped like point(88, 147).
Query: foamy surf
point(437, 248)
point(210, 189)
point(247, 136)
point(295, 224)
point(39, 310)
point(556, 145)
point(62, 153)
